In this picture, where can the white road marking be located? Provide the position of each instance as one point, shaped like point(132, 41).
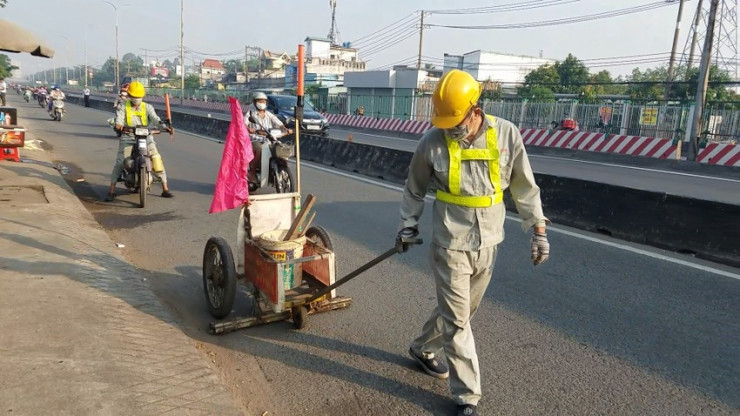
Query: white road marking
point(375, 135)
point(620, 246)
point(670, 172)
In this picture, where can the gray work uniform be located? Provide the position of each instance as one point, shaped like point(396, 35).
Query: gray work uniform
point(465, 240)
point(127, 140)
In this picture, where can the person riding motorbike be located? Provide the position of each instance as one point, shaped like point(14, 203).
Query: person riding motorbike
point(56, 94)
point(134, 112)
point(258, 131)
point(41, 94)
point(121, 97)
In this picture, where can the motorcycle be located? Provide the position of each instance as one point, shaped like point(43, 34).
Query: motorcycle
point(57, 110)
point(275, 155)
point(43, 99)
point(27, 96)
point(137, 168)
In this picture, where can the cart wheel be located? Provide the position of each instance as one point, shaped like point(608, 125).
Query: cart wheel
point(300, 316)
point(320, 236)
point(219, 277)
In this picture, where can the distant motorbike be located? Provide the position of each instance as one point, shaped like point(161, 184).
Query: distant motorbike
point(43, 99)
point(137, 167)
point(57, 110)
point(27, 96)
point(274, 169)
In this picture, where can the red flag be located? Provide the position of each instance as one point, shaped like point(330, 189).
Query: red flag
point(232, 189)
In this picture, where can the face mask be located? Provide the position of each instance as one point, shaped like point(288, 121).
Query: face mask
point(261, 106)
point(135, 102)
point(458, 133)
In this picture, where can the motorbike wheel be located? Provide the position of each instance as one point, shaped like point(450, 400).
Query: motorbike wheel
point(60, 116)
point(284, 180)
point(219, 277)
point(143, 185)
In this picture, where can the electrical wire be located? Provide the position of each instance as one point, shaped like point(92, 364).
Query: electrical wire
point(390, 35)
point(399, 21)
point(382, 48)
point(564, 21)
point(396, 39)
point(527, 5)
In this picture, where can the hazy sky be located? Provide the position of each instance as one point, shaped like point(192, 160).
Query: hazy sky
point(221, 29)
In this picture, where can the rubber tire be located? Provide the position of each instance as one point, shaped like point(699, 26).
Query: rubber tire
point(320, 233)
point(317, 232)
point(299, 314)
point(60, 116)
point(143, 185)
point(291, 178)
point(228, 271)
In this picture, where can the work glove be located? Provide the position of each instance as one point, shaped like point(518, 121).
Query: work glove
point(540, 248)
point(403, 235)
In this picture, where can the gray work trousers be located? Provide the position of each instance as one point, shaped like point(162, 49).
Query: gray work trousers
point(124, 150)
point(461, 279)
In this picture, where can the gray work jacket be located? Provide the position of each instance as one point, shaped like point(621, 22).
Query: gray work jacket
point(462, 228)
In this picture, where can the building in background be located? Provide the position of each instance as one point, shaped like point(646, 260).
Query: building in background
point(505, 69)
point(211, 71)
point(393, 93)
point(326, 64)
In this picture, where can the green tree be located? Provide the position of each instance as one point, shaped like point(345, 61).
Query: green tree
point(133, 65)
point(192, 81)
point(573, 75)
point(233, 66)
point(5, 67)
point(3, 3)
point(539, 83)
point(647, 85)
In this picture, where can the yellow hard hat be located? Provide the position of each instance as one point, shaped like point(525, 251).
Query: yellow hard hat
point(136, 90)
point(456, 92)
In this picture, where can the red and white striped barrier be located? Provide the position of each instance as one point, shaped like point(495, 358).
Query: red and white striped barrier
point(720, 154)
point(600, 142)
point(389, 124)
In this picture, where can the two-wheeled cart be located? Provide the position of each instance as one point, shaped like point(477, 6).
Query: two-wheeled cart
point(263, 273)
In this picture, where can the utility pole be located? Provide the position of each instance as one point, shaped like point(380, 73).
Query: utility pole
point(692, 52)
point(672, 63)
point(182, 50)
point(701, 88)
point(246, 61)
point(421, 39)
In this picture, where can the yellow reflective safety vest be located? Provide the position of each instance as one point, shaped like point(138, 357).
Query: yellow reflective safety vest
point(130, 111)
point(457, 156)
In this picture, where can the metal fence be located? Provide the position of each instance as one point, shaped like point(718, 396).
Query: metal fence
point(664, 120)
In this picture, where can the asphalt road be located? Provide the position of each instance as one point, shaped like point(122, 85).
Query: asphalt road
point(604, 327)
point(696, 185)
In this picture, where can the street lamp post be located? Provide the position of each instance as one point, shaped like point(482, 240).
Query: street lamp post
point(116, 69)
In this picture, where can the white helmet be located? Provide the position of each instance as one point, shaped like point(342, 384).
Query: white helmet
point(259, 96)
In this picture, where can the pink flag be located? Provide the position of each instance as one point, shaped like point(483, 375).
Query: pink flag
point(232, 189)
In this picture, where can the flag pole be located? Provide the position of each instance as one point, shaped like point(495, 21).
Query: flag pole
point(299, 118)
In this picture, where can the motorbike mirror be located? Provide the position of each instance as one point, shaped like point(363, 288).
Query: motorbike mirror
point(252, 119)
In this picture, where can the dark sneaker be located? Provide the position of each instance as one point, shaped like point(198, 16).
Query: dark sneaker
point(167, 194)
point(467, 410)
point(110, 197)
point(433, 366)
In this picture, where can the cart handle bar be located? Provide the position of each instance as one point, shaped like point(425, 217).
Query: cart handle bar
point(361, 269)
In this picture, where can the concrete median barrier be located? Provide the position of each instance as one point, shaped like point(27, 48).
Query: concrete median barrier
point(706, 229)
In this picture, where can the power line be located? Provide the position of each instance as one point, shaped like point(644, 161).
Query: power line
point(532, 4)
point(384, 47)
point(405, 18)
point(564, 21)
